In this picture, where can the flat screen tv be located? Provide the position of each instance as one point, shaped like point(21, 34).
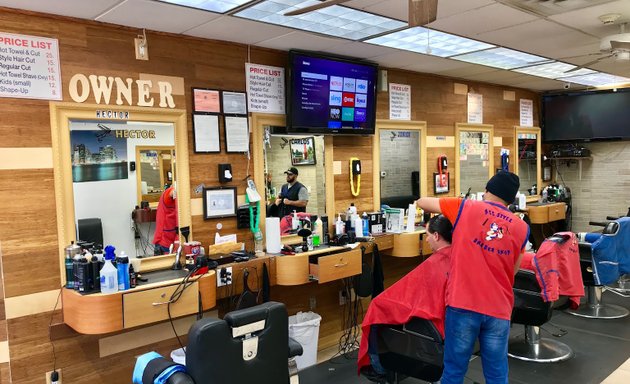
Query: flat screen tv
point(330, 94)
point(586, 116)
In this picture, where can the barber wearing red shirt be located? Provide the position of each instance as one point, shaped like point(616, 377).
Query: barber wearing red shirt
point(165, 222)
point(488, 243)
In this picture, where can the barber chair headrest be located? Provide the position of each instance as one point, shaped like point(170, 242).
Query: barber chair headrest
point(559, 238)
point(611, 228)
point(247, 316)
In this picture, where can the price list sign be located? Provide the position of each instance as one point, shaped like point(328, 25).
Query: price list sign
point(29, 67)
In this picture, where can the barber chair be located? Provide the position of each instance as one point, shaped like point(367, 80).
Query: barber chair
point(532, 311)
point(415, 349)
point(594, 308)
point(247, 346)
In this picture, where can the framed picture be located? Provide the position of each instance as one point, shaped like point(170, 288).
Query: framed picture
point(302, 151)
point(206, 100)
point(206, 133)
point(234, 103)
point(440, 183)
point(236, 134)
point(219, 202)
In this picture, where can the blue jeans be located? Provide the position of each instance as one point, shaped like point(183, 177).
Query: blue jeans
point(462, 328)
point(373, 351)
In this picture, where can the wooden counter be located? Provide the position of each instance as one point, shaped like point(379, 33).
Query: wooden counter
point(407, 244)
point(99, 313)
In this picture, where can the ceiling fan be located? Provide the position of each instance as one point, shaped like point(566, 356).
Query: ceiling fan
point(615, 46)
point(421, 12)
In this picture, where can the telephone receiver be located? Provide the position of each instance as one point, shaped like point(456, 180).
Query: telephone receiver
point(252, 193)
point(356, 167)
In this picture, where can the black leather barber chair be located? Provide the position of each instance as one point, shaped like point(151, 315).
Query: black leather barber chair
point(247, 346)
point(594, 308)
point(415, 349)
point(532, 311)
point(90, 230)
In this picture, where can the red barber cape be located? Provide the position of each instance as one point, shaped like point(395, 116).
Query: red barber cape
point(166, 220)
point(557, 268)
point(420, 293)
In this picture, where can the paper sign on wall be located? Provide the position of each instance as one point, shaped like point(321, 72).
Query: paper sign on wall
point(399, 101)
point(29, 67)
point(475, 108)
point(265, 88)
point(527, 112)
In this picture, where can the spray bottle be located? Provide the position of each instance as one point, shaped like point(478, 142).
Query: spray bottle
point(109, 274)
point(295, 223)
point(366, 224)
point(339, 226)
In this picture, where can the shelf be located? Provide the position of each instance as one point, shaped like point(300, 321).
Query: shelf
point(568, 160)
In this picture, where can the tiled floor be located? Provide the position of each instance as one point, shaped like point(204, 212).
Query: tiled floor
point(601, 347)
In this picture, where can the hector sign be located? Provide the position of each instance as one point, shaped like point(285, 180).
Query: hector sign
point(108, 90)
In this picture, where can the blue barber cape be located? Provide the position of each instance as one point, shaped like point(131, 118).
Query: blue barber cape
point(611, 254)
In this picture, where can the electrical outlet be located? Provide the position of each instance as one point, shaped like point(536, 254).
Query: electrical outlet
point(48, 381)
point(224, 276)
point(312, 303)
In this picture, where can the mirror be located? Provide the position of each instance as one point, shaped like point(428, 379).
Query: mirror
point(95, 177)
point(399, 167)
point(154, 168)
point(474, 158)
point(261, 132)
point(400, 158)
point(306, 155)
point(528, 166)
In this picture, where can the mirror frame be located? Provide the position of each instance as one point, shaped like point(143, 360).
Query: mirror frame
point(466, 127)
point(60, 116)
point(399, 125)
point(258, 121)
point(535, 130)
point(140, 148)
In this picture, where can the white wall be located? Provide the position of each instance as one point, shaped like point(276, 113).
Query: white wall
point(114, 200)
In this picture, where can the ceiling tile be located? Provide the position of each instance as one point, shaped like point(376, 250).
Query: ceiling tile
point(587, 20)
point(359, 49)
point(485, 19)
point(75, 8)
point(397, 59)
point(157, 16)
point(431, 64)
point(539, 37)
point(301, 40)
point(539, 84)
point(448, 8)
point(230, 28)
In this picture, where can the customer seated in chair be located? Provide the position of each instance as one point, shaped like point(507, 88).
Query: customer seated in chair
point(421, 293)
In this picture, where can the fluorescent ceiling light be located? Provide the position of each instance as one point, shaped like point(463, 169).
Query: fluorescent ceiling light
point(218, 6)
point(598, 79)
point(502, 58)
point(430, 42)
point(553, 70)
point(337, 21)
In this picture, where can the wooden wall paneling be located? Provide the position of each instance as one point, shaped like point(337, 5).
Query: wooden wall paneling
point(28, 231)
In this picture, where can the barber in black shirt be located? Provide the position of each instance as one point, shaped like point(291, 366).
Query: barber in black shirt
point(293, 195)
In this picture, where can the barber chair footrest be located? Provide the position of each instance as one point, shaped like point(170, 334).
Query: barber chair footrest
point(599, 311)
point(544, 351)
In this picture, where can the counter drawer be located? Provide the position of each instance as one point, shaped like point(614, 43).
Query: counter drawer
point(149, 306)
point(336, 266)
point(538, 214)
point(384, 242)
point(557, 212)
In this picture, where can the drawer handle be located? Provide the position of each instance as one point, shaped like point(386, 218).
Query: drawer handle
point(341, 265)
point(160, 303)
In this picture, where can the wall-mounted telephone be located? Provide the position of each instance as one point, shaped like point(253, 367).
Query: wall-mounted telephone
point(442, 170)
point(355, 170)
point(505, 159)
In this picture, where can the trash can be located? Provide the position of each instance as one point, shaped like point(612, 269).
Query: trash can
point(179, 356)
point(304, 328)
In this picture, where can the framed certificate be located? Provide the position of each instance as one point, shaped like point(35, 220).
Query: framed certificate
point(234, 103)
point(236, 134)
point(206, 101)
point(206, 133)
point(219, 202)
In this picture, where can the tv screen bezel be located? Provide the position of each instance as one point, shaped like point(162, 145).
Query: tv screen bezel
point(297, 130)
point(577, 140)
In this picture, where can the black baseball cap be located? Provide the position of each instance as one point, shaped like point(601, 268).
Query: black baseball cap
point(292, 170)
